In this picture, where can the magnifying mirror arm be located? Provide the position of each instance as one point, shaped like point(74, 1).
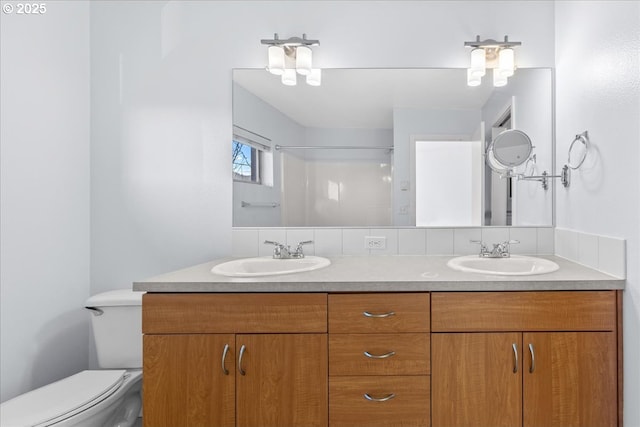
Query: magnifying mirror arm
point(564, 176)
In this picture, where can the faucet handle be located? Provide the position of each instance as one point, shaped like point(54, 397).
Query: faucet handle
point(299, 252)
point(271, 242)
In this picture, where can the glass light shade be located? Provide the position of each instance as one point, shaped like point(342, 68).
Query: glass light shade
point(315, 77)
point(506, 62)
point(478, 62)
point(289, 77)
point(499, 79)
point(473, 79)
point(276, 60)
point(303, 60)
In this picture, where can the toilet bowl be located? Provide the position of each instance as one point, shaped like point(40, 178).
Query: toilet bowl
point(106, 397)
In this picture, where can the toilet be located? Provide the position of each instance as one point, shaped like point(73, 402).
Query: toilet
point(107, 397)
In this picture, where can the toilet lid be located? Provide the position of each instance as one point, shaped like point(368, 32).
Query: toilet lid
point(59, 400)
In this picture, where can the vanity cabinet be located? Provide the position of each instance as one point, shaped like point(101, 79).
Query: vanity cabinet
point(524, 359)
point(447, 359)
point(379, 359)
point(235, 359)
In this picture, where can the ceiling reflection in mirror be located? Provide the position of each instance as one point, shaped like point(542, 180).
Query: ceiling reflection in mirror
point(368, 148)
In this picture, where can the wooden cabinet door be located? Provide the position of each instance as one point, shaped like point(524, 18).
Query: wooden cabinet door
point(184, 381)
point(473, 379)
point(285, 380)
point(572, 381)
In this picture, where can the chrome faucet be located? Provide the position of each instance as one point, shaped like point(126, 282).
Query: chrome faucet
point(499, 250)
point(281, 251)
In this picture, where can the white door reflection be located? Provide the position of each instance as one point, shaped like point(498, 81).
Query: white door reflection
point(448, 183)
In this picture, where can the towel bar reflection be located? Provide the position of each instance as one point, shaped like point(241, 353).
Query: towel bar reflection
point(331, 147)
point(259, 204)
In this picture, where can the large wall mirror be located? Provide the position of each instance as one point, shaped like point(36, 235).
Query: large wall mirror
point(387, 147)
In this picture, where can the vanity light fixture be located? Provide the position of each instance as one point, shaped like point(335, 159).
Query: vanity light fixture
point(491, 54)
point(292, 56)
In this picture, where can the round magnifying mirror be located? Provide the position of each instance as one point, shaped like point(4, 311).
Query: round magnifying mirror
point(511, 148)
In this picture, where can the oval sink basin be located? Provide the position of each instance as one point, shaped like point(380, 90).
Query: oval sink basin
point(516, 265)
point(268, 266)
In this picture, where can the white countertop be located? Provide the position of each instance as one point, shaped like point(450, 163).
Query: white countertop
point(401, 273)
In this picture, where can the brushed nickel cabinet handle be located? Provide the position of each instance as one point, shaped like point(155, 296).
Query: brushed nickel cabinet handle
point(515, 358)
point(224, 359)
point(533, 359)
point(379, 399)
point(379, 356)
point(378, 316)
point(242, 349)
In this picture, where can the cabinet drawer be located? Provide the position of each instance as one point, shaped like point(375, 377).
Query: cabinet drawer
point(233, 313)
point(379, 313)
point(524, 311)
point(389, 354)
point(409, 405)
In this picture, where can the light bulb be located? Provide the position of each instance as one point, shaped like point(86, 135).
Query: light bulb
point(315, 77)
point(478, 62)
point(499, 79)
point(473, 79)
point(303, 60)
point(289, 77)
point(506, 62)
point(276, 60)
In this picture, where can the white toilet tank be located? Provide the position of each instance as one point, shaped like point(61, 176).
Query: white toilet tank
point(117, 328)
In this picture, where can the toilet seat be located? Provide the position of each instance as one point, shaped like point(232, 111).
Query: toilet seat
point(58, 401)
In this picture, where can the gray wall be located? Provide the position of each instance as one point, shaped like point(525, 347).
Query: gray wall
point(44, 222)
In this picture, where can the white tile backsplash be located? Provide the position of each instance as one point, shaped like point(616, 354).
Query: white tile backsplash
point(588, 250)
point(328, 241)
point(612, 256)
point(528, 238)
point(607, 254)
point(412, 241)
point(546, 241)
point(566, 244)
point(353, 241)
point(440, 241)
point(462, 238)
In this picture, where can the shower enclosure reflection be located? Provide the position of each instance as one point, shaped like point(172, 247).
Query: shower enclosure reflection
point(347, 153)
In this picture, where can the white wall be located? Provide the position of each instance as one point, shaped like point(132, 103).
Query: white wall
point(598, 89)
point(44, 250)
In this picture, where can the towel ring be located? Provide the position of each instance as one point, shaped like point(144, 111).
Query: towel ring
point(584, 139)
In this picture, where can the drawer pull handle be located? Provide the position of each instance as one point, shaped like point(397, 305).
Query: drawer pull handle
point(533, 359)
point(515, 358)
point(378, 316)
point(379, 399)
point(379, 356)
point(242, 349)
point(224, 359)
